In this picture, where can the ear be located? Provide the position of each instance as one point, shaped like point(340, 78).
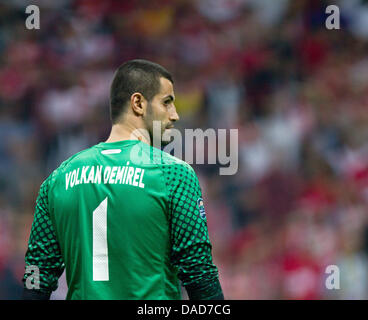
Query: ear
point(138, 103)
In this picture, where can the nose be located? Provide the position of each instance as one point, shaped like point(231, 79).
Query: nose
point(174, 115)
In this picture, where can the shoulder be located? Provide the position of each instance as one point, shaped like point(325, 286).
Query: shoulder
point(172, 163)
point(71, 161)
point(163, 159)
point(178, 172)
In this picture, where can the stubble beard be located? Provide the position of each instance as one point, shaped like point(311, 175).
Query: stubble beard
point(164, 141)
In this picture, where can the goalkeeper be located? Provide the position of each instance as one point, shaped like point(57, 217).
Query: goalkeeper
point(123, 218)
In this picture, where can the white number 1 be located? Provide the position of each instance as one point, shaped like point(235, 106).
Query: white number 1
point(99, 247)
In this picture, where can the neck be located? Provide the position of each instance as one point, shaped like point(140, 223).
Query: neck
point(123, 131)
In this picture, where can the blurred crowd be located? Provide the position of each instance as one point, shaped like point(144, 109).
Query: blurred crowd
point(296, 91)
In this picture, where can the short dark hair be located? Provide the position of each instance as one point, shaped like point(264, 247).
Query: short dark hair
point(135, 76)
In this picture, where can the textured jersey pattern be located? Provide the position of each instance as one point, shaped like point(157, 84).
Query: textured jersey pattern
point(43, 249)
point(191, 247)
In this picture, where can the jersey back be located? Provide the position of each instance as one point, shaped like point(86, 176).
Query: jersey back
point(109, 207)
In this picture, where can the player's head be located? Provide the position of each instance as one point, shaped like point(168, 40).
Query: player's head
point(144, 90)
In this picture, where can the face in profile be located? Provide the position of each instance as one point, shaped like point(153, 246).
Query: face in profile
point(162, 111)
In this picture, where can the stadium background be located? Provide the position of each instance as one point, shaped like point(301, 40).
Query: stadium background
point(297, 92)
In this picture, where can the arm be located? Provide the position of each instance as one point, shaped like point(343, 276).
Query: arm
point(191, 247)
point(43, 252)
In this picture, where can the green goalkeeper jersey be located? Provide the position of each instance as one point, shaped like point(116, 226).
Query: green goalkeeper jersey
point(126, 221)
